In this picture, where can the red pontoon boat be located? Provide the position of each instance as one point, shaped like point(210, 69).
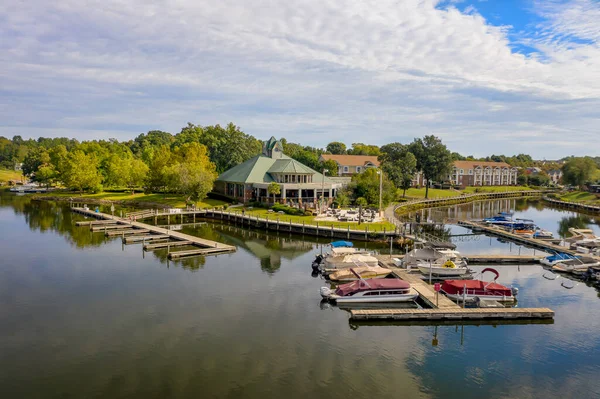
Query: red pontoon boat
point(471, 289)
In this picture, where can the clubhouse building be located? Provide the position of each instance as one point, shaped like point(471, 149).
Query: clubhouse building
point(299, 184)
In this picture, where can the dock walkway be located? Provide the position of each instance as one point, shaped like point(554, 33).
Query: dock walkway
point(442, 308)
point(206, 247)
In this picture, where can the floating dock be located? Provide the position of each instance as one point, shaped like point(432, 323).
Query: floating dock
point(132, 229)
point(442, 308)
point(452, 314)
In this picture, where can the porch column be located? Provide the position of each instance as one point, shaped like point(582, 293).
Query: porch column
point(282, 192)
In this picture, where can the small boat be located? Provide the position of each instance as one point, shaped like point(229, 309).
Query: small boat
point(501, 218)
point(383, 290)
point(365, 272)
point(425, 256)
point(443, 268)
point(470, 289)
point(542, 234)
point(557, 258)
point(550, 276)
point(524, 233)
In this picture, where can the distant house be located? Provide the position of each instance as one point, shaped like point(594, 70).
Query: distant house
point(249, 181)
point(533, 170)
point(555, 175)
point(349, 165)
point(476, 173)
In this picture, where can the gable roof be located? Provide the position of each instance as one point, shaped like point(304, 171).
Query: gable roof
point(351, 160)
point(259, 168)
point(482, 164)
point(289, 165)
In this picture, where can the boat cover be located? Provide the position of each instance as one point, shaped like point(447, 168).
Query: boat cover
point(372, 284)
point(340, 244)
point(456, 287)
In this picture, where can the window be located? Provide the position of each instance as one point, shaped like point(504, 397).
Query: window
point(462, 171)
point(345, 169)
point(470, 171)
point(358, 169)
point(371, 293)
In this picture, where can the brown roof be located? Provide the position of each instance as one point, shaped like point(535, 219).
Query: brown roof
point(351, 160)
point(482, 164)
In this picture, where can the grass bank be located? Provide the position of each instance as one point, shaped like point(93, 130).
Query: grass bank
point(126, 198)
point(580, 197)
point(417, 193)
point(263, 213)
point(6, 175)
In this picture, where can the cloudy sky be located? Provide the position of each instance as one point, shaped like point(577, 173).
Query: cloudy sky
point(493, 76)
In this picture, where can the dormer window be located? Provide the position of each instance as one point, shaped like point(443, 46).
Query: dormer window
point(358, 169)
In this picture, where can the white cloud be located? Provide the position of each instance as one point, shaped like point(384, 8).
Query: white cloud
point(312, 71)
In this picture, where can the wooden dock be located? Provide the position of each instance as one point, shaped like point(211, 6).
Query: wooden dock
point(442, 308)
point(452, 314)
point(544, 245)
point(503, 259)
point(426, 291)
point(128, 232)
point(132, 229)
point(162, 245)
point(95, 222)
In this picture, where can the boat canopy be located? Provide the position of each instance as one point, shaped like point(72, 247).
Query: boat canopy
point(342, 244)
point(372, 284)
point(454, 287)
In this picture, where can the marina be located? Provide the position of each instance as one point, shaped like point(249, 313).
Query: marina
point(258, 294)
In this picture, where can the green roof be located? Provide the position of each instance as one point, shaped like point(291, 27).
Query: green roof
point(258, 169)
point(289, 165)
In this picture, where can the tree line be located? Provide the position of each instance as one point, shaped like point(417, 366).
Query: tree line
point(188, 162)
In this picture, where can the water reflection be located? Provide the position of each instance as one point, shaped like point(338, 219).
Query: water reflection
point(111, 321)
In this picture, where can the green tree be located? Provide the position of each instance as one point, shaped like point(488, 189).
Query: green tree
point(331, 166)
point(81, 172)
point(193, 174)
point(229, 146)
point(336, 147)
point(366, 185)
point(126, 171)
point(45, 175)
point(273, 189)
point(363, 149)
point(35, 158)
point(399, 164)
point(579, 171)
point(433, 159)
point(158, 168)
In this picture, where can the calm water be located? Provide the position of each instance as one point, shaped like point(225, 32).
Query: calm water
point(82, 316)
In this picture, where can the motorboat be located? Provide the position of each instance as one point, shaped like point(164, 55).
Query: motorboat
point(443, 267)
point(365, 272)
point(501, 218)
point(339, 249)
point(344, 262)
point(557, 258)
point(383, 290)
point(542, 234)
point(470, 289)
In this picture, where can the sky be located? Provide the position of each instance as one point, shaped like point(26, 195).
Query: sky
point(486, 76)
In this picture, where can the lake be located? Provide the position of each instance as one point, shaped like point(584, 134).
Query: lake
point(83, 316)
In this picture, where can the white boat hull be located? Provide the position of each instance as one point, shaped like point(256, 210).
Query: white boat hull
point(499, 298)
point(443, 271)
point(350, 279)
point(379, 299)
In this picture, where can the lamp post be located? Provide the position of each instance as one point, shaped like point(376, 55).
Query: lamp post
point(323, 189)
point(380, 173)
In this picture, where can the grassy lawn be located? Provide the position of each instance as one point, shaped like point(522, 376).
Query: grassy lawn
point(175, 200)
point(263, 213)
point(495, 189)
point(6, 175)
point(433, 193)
point(580, 196)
